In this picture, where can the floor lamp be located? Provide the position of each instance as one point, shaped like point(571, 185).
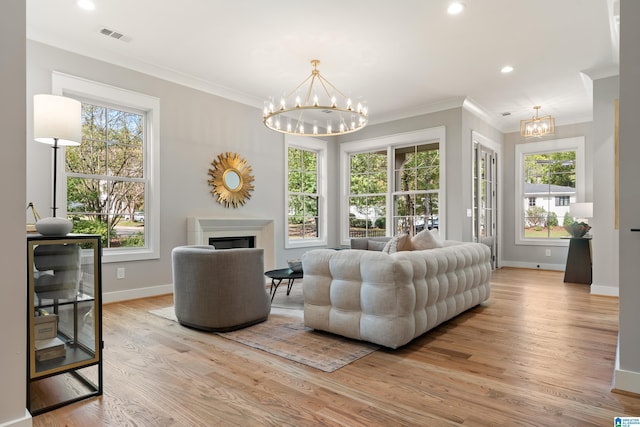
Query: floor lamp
point(57, 121)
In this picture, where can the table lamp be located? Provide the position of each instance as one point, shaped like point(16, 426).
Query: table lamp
point(57, 121)
point(581, 211)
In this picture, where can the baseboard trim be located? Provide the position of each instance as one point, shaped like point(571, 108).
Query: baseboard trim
point(151, 291)
point(25, 421)
point(608, 291)
point(534, 266)
point(624, 381)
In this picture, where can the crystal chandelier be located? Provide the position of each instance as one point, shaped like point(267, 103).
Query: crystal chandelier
point(317, 110)
point(537, 126)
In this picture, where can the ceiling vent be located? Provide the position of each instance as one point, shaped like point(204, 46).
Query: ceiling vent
point(114, 34)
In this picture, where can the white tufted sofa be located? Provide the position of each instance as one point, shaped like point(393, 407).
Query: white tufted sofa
point(389, 299)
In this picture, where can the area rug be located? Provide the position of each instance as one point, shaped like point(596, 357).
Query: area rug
point(285, 335)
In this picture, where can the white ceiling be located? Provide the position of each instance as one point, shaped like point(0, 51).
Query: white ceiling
point(403, 57)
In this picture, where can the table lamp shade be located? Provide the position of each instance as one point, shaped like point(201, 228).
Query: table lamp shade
point(57, 119)
point(581, 210)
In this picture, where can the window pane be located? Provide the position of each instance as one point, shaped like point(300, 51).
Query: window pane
point(295, 181)
point(125, 160)
point(88, 158)
point(296, 205)
point(310, 206)
point(294, 158)
point(309, 161)
point(94, 123)
point(309, 184)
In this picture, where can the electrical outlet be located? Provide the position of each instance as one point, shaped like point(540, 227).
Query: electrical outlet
point(120, 273)
point(547, 252)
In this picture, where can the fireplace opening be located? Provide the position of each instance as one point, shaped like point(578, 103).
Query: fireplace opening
point(233, 242)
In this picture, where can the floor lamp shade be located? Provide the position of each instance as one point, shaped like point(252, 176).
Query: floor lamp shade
point(57, 121)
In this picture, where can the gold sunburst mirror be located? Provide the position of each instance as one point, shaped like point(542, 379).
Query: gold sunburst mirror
point(231, 179)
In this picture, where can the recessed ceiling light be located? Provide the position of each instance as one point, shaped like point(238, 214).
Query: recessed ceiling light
point(455, 8)
point(86, 4)
point(506, 69)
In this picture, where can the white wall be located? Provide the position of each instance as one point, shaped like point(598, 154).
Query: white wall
point(628, 370)
point(13, 313)
point(605, 237)
point(195, 128)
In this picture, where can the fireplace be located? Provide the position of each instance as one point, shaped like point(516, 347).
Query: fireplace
point(200, 230)
point(232, 242)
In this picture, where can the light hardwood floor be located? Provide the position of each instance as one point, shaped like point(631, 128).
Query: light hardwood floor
point(539, 352)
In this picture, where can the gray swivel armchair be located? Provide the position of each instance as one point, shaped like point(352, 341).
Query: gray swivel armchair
point(219, 290)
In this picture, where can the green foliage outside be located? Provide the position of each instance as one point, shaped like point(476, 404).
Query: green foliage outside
point(88, 226)
point(557, 168)
point(536, 216)
point(552, 219)
point(568, 219)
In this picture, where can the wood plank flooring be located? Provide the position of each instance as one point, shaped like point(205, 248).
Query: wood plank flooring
point(539, 352)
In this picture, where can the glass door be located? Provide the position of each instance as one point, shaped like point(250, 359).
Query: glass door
point(485, 213)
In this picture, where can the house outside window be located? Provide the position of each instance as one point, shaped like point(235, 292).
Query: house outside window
point(305, 189)
point(110, 184)
point(549, 177)
point(392, 185)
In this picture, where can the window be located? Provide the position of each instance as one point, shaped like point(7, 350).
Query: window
point(105, 176)
point(532, 201)
point(109, 185)
point(416, 188)
point(393, 185)
point(368, 194)
point(552, 174)
point(306, 213)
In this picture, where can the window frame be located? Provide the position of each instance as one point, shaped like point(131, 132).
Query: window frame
point(576, 144)
point(87, 90)
point(424, 136)
point(320, 148)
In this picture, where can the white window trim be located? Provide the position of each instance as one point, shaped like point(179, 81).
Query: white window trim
point(576, 144)
point(320, 147)
point(397, 140)
point(68, 85)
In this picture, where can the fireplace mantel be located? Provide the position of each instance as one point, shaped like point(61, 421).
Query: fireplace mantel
point(200, 229)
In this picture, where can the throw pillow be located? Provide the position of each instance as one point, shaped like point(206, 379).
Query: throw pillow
point(397, 244)
point(425, 240)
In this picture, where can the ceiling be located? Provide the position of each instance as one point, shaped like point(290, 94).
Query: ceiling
point(404, 57)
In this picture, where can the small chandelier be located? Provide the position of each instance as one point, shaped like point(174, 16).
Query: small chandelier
point(322, 110)
point(537, 126)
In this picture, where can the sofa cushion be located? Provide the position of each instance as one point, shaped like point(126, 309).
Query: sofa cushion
point(374, 245)
point(425, 240)
point(398, 244)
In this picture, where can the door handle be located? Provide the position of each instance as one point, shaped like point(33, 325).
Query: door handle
point(635, 229)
